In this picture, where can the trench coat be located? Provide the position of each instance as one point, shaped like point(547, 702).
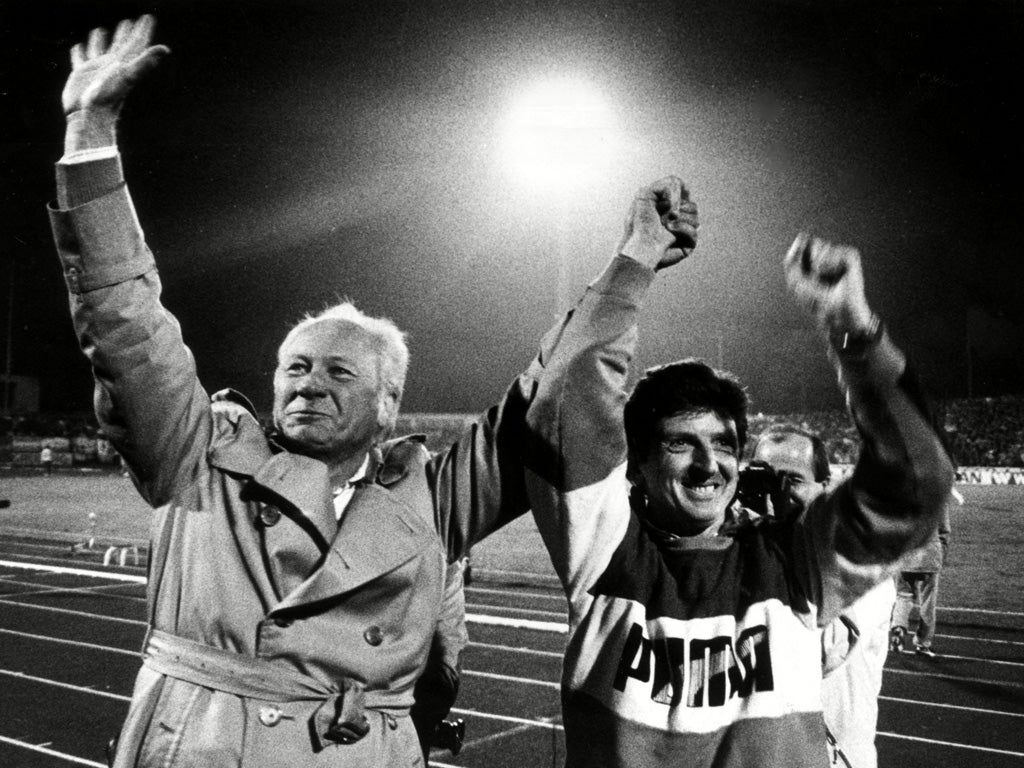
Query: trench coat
point(277, 636)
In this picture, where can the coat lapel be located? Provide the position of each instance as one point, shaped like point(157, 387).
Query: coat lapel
point(376, 536)
point(303, 483)
point(312, 557)
point(290, 504)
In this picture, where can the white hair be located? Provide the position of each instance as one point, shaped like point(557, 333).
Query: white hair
point(392, 354)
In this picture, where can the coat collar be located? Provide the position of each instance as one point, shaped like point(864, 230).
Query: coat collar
point(378, 532)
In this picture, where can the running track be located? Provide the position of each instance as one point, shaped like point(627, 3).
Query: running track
point(70, 631)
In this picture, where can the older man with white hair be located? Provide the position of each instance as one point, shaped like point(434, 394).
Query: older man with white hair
point(297, 578)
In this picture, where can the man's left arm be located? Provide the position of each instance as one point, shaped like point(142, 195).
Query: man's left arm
point(438, 686)
point(899, 487)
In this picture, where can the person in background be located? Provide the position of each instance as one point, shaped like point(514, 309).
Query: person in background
point(854, 645)
point(918, 588)
point(46, 459)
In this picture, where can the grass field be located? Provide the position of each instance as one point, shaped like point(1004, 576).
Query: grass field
point(985, 568)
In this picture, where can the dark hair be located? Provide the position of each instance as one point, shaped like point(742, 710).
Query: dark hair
point(776, 433)
point(685, 386)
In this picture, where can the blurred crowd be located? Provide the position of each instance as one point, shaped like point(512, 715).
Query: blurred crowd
point(49, 425)
point(987, 432)
point(982, 432)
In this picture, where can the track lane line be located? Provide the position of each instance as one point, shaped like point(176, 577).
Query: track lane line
point(981, 639)
point(972, 747)
point(1018, 614)
point(483, 606)
point(954, 657)
point(51, 752)
point(512, 649)
point(955, 678)
point(68, 686)
point(69, 590)
point(76, 643)
point(497, 736)
point(549, 723)
point(73, 571)
point(515, 593)
point(512, 679)
point(502, 621)
point(978, 710)
point(71, 612)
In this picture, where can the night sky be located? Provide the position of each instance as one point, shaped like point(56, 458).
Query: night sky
point(291, 153)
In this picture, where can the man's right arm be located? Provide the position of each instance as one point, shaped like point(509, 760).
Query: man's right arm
point(479, 481)
point(576, 460)
point(147, 397)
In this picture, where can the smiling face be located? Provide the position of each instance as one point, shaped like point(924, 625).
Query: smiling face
point(690, 472)
point(326, 391)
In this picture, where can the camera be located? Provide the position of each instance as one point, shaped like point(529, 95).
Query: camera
point(763, 490)
point(450, 734)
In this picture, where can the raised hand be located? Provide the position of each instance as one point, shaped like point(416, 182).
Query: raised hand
point(661, 228)
point(102, 74)
point(828, 282)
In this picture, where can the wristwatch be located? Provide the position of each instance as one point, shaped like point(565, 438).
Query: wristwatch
point(856, 342)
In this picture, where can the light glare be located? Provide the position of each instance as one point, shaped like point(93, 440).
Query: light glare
point(557, 134)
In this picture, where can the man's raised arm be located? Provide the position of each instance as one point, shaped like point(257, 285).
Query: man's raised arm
point(148, 400)
point(102, 75)
point(903, 475)
point(480, 481)
point(574, 421)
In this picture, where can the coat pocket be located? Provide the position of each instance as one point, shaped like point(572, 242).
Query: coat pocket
point(194, 726)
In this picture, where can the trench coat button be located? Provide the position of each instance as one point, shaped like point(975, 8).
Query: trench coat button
point(392, 722)
point(283, 622)
point(270, 716)
point(374, 635)
point(269, 516)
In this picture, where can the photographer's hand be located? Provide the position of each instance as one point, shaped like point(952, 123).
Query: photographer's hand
point(661, 228)
point(827, 281)
point(101, 77)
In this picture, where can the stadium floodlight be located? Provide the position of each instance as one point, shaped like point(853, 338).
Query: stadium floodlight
point(558, 134)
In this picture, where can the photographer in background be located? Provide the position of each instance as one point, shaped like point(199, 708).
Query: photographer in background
point(789, 469)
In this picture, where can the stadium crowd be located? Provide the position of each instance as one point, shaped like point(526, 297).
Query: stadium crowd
point(983, 432)
point(987, 432)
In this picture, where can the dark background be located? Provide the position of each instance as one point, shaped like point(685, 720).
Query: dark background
point(290, 153)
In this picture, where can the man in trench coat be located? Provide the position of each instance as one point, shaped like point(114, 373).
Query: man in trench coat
point(296, 578)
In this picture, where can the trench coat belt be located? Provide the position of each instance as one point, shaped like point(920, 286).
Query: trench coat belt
point(340, 717)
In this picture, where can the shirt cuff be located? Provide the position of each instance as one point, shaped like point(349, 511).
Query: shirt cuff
point(83, 181)
point(88, 155)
